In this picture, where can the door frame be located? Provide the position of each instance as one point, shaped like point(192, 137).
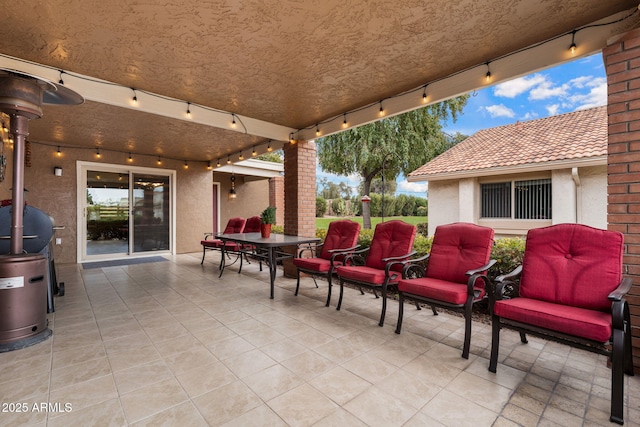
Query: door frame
point(81, 187)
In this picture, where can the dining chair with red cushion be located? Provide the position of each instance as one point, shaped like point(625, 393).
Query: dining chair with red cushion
point(234, 225)
point(379, 266)
point(340, 241)
point(571, 290)
point(455, 276)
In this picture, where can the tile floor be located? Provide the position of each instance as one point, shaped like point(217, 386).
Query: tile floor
point(168, 343)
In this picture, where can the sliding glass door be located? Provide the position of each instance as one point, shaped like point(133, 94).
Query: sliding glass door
point(124, 211)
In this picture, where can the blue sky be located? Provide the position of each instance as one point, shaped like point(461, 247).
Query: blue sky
point(569, 87)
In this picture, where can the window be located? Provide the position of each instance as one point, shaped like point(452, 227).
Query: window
point(516, 199)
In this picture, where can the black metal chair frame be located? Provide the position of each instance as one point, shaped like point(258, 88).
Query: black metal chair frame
point(618, 348)
point(357, 258)
point(414, 270)
point(335, 253)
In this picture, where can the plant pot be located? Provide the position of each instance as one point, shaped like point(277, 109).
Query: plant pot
point(265, 230)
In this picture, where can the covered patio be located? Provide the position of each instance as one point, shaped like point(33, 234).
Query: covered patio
point(186, 85)
point(162, 344)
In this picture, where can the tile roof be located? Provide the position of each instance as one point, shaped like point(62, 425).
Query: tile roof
point(576, 135)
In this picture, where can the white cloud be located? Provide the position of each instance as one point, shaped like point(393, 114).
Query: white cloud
point(597, 95)
point(530, 115)
point(500, 110)
point(411, 187)
point(553, 109)
point(518, 86)
point(547, 90)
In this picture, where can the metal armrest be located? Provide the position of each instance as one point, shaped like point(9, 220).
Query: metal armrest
point(310, 249)
point(335, 253)
point(621, 290)
point(352, 256)
point(413, 265)
point(396, 260)
point(481, 269)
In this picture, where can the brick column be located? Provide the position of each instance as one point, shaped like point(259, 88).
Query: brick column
point(299, 192)
point(622, 62)
point(276, 197)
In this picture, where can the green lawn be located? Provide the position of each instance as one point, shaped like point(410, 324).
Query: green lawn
point(323, 223)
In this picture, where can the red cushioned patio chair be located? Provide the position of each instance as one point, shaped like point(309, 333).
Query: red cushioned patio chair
point(210, 243)
point(380, 265)
point(252, 226)
point(571, 290)
point(455, 274)
point(341, 240)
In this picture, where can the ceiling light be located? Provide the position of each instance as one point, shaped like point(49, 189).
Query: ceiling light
point(188, 109)
point(98, 155)
point(233, 121)
point(218, 164)
point(381, 110)
point(254, 153)
point(59, 153)
point(317, 131)
point(135, 98)
point(488, 75)
point(344, 122)
point(209, 167)
point(269, 148)
point(424, 94)
point(159, 161)
point(573, 46)
point(130, 159)
point(186, 165)
point(241, 157)
point(228, 160)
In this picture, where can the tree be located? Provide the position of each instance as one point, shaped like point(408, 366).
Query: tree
point(396, 144)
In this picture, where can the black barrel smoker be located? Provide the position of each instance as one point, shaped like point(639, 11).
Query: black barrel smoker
point(23, 276)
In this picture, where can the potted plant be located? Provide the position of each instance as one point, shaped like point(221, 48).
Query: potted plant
point(268, 217)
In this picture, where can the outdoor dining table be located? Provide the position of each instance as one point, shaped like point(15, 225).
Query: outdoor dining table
point(271, 248)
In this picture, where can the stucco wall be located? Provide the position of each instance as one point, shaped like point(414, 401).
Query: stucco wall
point(443, 204)
point(57, 196)
point(252, 197)
point(593, 197)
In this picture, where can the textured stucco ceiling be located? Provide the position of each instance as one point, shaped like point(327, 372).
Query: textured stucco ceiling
point(288, 62)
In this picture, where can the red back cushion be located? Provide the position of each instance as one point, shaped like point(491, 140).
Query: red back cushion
point(458, 248)
point(572, 264)
point(235, 225)
point(252, 225)
point(340, 235)
point(390, 239)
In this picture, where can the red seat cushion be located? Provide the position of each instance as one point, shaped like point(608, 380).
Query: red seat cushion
point(440, 290)
point(373, 276)
point(211, 243)
point(340, 235)
point(590, 324)
point(572, 264)
point(390, 239)
point(235, 225)
point(320, 265)
point(458, 248)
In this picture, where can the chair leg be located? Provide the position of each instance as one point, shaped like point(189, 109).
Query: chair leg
point(467, 330)
point(523, 338)
point(329, 291)
point(297, 284)
point(401, 312)
point(384, 305)
point(204, 250)
point(340, 297)
point(617, 377)
point(374, 292)
point(433, 308)
point(495, 343)
point(417, 305)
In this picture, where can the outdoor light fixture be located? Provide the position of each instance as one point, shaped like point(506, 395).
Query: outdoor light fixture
point(98, 155)
point(488, 75)
point(135, 98)
point(233, 121)
point(209, 167)
point(59, 153)
point(344, 122)
point(424, 94)
point(186, 165)
point(228, 160)
point(130, 159)
point(573, 46)
point(381, 110)
point(317, 131)
point(232, 191)
point(159, 161)
point(269, 148)
point(188, 109)
point(218, 164)
point(61, 81)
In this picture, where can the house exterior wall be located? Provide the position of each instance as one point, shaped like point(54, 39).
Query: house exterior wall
point(459, 200)
point(252, 198)
point(57, 195)
point(444, 204)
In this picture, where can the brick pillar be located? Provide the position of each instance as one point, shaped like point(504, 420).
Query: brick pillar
point(622, 62)
point(299, 192)
point(276, 197)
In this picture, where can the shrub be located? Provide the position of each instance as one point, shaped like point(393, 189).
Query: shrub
point(339, 207)
point(421, 207)
point(508, 252)
point(321, 207)
point(423, 228)
point(407, 209)
point(422, 211)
